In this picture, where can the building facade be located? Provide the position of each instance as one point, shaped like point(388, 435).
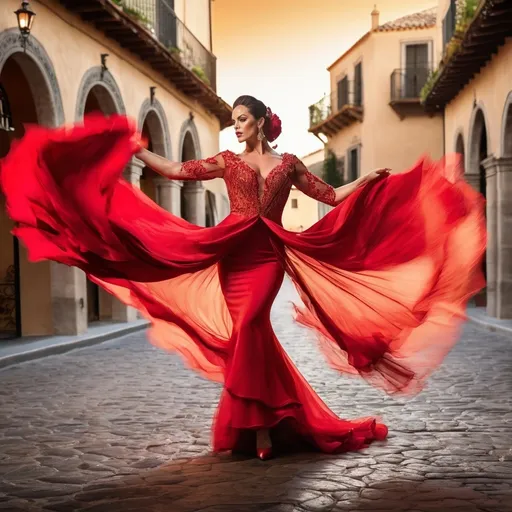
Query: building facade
point(472, 85)
point(373, 116)
point(149, 59)
point(301, 211)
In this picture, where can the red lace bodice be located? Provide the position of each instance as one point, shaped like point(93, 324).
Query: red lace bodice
point(249, 194)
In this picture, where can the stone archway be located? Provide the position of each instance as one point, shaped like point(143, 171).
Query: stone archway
point(28, 297)
point(477, 150)
point(99, 92)
point(506, 129)
point(152, 123)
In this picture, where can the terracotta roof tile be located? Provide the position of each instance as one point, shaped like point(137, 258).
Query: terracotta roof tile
point(422, 19)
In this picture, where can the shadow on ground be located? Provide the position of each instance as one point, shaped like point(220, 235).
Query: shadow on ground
point(297, 483)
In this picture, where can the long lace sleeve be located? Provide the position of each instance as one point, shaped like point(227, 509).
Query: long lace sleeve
point(206, 169)
point(312, 185)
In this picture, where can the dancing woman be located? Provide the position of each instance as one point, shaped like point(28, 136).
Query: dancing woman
point(384, 277)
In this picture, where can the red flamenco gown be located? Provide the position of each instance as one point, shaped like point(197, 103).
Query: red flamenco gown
point(384, 276)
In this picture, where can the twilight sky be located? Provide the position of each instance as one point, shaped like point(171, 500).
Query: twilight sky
point(278, 51)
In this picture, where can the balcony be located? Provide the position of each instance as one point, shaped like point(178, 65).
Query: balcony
point(151, 30)
point(160, 19)
point(406, 86)
point(336, 110)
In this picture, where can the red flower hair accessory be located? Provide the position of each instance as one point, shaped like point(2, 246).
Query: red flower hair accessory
point(273, 129)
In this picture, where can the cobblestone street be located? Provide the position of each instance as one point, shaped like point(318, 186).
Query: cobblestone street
point(123, 426)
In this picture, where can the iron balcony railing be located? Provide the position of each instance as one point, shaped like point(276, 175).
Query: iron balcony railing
point(406, 83)
point(159, 17)
point(347, 94)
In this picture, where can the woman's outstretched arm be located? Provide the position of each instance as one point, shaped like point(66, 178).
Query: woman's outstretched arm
point(192, 170)
point(316, 188)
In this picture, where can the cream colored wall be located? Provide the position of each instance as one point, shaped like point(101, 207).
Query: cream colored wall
point(302, 217)
point(307, 211)
point(490, 89)
point(133, 77)
point(386, 140)
point(195, 15)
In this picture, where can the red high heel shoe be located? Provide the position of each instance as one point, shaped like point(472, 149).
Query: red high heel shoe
point(265, 453)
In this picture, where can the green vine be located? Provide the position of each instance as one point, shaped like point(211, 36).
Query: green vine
point(466, 10)
point(331, 174)
point(199, 71)
point(429, 84)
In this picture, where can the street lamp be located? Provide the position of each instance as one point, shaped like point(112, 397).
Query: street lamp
point(25, 20)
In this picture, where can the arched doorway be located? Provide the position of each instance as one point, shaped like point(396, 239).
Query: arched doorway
point(98, 93)
point(30, 93)
point(154, 129)
point(188, 206)
point(477, 153)
point(459, 148)
point(478, 150)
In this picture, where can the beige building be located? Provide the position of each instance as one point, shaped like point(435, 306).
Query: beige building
point(373, 116)
point(149, 59)
point(472, 85)
point(301, 211)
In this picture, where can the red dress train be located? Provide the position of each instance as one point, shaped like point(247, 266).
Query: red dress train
point(384, 277)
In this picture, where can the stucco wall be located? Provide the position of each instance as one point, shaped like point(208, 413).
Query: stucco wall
point(74, 48)
point(386, 139)
point(488, 91)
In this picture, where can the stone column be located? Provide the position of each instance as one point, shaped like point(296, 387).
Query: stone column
point(491, 256)
point(168, 195)
point(69, 299)
point(133, 172)
point(504, 238)
point(194, 196)
point(473, 180)
point(121, 312)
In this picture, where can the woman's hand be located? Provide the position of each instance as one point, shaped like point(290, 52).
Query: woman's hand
point(377, 173)
point(139, 144)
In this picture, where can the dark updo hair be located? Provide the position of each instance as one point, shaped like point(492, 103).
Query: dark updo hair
point(256, 107)
point(272, 124)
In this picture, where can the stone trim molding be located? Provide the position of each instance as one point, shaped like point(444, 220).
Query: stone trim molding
point(507, 111)
point(159, 111)
point(189, 127)
point(92, 77)
point(10, 43)
point(471, 145)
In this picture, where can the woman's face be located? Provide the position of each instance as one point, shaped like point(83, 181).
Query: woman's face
point(246, 125)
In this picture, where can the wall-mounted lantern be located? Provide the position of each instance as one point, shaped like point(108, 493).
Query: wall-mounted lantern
point(25, 21)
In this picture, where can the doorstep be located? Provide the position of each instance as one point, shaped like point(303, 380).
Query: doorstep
point(34, 347)
point(478, 316)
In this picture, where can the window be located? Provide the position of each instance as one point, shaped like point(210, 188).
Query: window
point(416, 68)
point(295, 203)
point(358, 84)
point(342, 92)
point(353, 163)
point(449, 22)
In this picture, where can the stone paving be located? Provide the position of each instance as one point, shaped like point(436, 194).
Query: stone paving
point(123, 426)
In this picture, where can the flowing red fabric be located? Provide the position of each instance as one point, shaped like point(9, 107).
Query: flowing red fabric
point(384, 277)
